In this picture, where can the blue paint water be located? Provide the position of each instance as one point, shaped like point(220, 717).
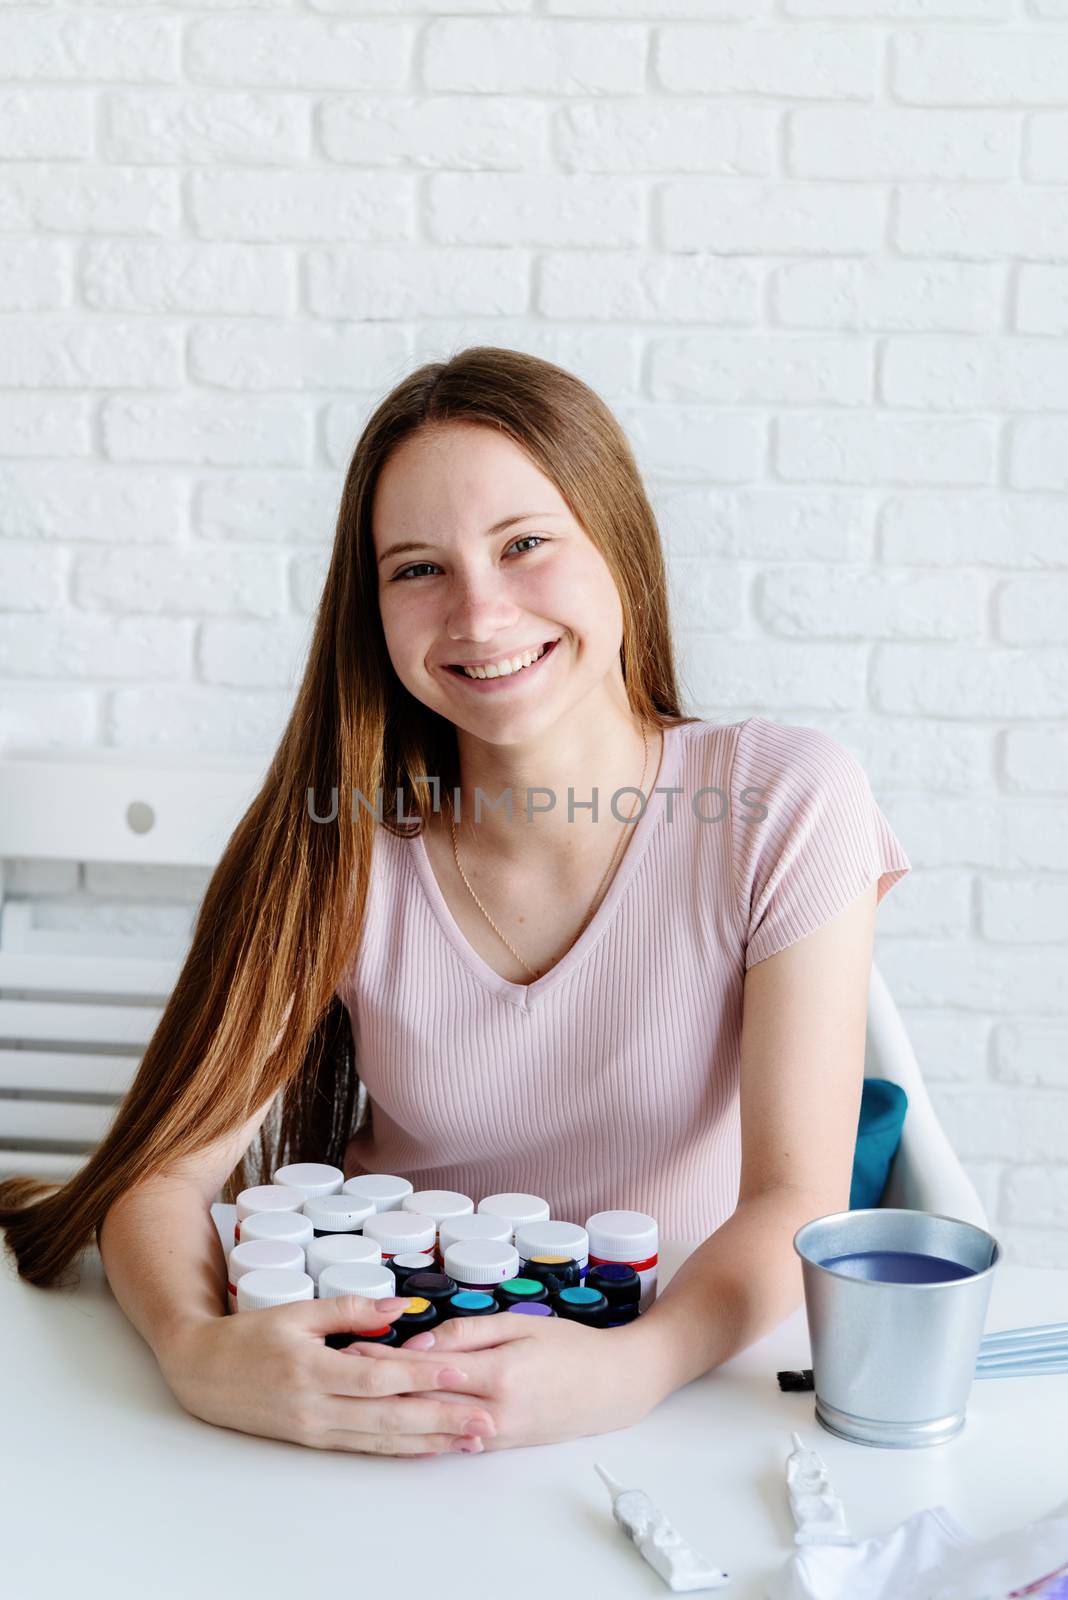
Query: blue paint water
point(898, 1266)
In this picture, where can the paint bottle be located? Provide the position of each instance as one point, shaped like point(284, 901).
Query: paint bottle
point(383, 1189)
point(520, 1291)
point(364, 1278)
point(472, 1225)
point(620, 1286)
point(555, 1272)
point(312, 1178)
point(265, 1197)
point(398, 1233)
point(533, 1308)
point(370, 1283)
point(471, 1303)
point(419, 1316)
point(582, 1305)
point(338, 1213)
point(272, 1286)
point(291, 1227)
point(441, 1204)
point(335, 1248)
point(480, 1263)
point(553, 1239)
point(629, 1237)
point(515, 1209)
point(415, 1261)
point(253, 1253)
point(436, 1287)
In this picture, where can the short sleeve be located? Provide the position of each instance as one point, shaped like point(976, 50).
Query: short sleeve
point(806, 834)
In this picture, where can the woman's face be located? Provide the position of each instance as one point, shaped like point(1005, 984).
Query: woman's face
point(467, 594)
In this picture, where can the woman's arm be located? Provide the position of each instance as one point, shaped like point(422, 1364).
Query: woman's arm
point(802, 1066)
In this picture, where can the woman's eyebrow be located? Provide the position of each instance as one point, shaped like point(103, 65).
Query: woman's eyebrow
point(498, 527)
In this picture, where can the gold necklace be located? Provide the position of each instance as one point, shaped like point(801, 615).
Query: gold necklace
point(619, 844)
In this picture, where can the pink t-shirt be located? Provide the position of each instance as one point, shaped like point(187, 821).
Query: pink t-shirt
point(612, 1081)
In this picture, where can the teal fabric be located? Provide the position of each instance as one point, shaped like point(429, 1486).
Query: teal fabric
point(882, 1113)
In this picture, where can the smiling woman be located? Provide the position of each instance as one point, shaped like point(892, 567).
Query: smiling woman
point(544, 973)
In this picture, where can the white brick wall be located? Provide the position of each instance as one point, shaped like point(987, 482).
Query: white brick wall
point(815, 256)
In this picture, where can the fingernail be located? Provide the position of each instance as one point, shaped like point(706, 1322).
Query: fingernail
point(420, 1341)
point(483, 1426)
point(391, 1303)
point(452, 1375)
point(466, 1447)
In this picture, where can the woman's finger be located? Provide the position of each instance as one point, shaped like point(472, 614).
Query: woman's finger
point(336, 1372)
point(401, 1444)
point(481, 1333)
point(395, 1417)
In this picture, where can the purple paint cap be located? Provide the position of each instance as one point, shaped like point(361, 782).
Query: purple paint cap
point(531, 1309)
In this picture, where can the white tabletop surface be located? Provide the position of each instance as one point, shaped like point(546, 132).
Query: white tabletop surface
point(109, 1489)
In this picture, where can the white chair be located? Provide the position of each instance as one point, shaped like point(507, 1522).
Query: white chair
point(926, 1174)
point(77, 1011)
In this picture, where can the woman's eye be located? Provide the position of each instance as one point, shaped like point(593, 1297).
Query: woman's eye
point(526, 538)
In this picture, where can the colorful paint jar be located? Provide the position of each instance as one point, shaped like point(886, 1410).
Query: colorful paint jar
point(291, 1227)
point(472, 1303)
point(628, 1237)
point(398, 1233)
point(419, 1316)
point(480, 1263)
point(336, 1249)
point(533, 1308)
point(472, 1225)
point(272, 1286)
point(620, 1286)
point(369, 1280)
point(437, 1287)
point(582, 1305)
point(520, 1291)
point(312, 1178)
point(515, 1209)
point(383, 1189)
point(415, 1261)
point(383, 1335)
point(265, 1197)
point(338, 1213)
point(555, 1272)
point(442, 1205)
point(251, 1254)
point(553, 1238)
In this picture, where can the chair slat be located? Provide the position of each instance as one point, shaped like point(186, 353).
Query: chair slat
point(52, 1165)
point(53, 1122)
point(57, 1021)
point(68, 1073)
point(87, 974)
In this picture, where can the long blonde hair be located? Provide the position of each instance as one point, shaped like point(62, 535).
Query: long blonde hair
point(283, 912)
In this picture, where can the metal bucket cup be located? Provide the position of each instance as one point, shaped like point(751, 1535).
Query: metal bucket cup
point(893, 1362)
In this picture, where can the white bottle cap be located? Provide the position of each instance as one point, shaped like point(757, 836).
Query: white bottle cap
point(414, 1261)
point(338, 1213)
point(251, 1254)
point(382, 1188)
point(311, 1177)
point(481, 1261)
point(396, 1232)
point(474, 1226)
point(265, 1197)
point(437, 1203)
point(515, 1208)
point(272, 1286)
point(335, 1247)
point(370, 1282)
point(291, 1226)
point(622, 1235)
point(552, 1239)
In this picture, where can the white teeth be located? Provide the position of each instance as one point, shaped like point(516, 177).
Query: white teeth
point(502, 669)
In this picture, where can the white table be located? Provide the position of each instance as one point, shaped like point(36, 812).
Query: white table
point(109, 1489)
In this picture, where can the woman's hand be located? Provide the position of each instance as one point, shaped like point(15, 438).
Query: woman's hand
point(542, 1379)
point(269, 1372)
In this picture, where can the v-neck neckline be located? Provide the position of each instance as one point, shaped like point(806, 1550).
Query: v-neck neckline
point(526, 995)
